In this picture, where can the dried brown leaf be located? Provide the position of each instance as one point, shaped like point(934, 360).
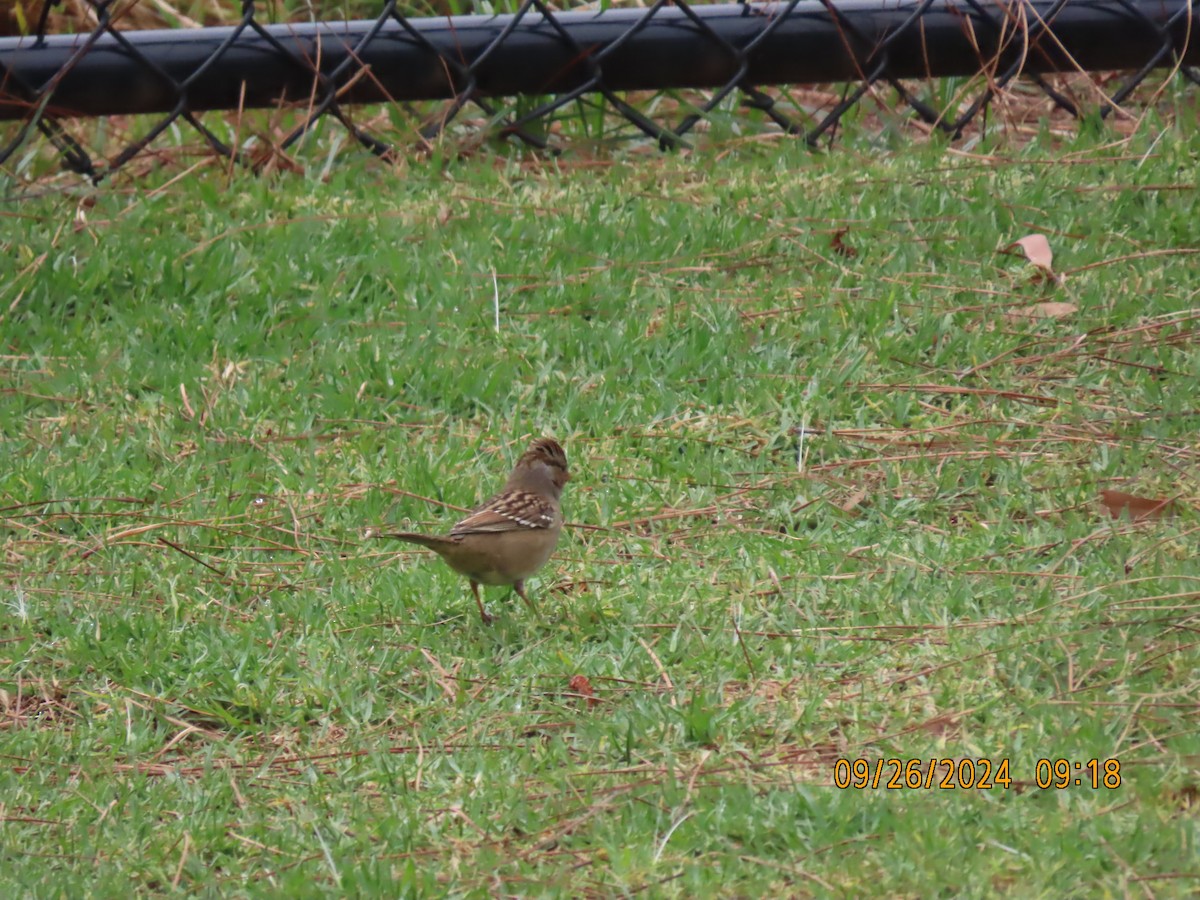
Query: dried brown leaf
point(1186, 798)
point(581, 686)
point(854, 500)
point(1051, 309)
point(839, 245)
point(1138, 509)
point(945, 725)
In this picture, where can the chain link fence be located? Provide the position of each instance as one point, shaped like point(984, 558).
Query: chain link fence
point(545, 77)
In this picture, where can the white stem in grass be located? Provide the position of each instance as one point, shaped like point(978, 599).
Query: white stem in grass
point(800, 449)
point(496, 299)
point(666, 837)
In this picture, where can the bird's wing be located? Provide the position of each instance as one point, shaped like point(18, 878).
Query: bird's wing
point(510, 511)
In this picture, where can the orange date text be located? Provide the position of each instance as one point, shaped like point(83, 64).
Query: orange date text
point(982, 774)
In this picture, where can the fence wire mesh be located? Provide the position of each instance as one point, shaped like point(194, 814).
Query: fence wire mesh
point(660, 73)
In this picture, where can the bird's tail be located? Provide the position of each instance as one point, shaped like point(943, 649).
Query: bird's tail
point(433, 542)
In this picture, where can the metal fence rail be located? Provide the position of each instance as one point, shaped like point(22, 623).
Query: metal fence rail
point(322, 68)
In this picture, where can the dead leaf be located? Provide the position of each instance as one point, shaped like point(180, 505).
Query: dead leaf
point(1186, 797)
point(581, 686)
point(839, 245)
point(853, 500)
point(445, 680)
point(942, 726)
point(1037, 250)
point(1051, 309)
point(1138, 508)
point(188, 412)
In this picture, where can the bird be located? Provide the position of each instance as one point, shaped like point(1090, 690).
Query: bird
point(510, 536)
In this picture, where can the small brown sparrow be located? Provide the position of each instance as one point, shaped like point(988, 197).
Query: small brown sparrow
point(511, 536)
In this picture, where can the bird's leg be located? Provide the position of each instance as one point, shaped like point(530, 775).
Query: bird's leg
point(483, 613)
point(519, 587)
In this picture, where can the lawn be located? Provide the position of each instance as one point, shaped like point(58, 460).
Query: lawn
point(854, 479)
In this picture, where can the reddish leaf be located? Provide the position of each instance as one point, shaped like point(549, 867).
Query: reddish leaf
point(839, 245)
point(581, 686)
point(1138, 509)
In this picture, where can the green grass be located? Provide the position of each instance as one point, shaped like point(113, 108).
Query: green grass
point(827, 506)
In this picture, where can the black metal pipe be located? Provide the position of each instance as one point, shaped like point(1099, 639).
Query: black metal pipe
point(669, 50)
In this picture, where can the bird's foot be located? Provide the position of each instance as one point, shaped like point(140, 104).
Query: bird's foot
point(486, 616)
